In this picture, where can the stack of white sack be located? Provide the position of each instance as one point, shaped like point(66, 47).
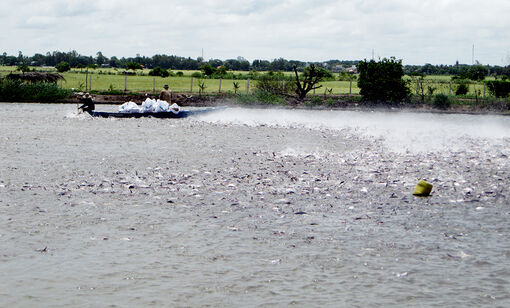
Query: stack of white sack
point(129, 107)
point(149, 105)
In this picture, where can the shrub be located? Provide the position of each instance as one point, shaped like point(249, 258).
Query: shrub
point(345, 76)
point(462, 88)
point(316, 100)
point(274, 83)
point(13, 90)
point(260, 97)
point(442, 101)
point(382, 81)
point(499, 88)
point(208, 69)
point(133, 66)
point(197, 75)
point(63, 67)
point(179, 74)
point(158, 71)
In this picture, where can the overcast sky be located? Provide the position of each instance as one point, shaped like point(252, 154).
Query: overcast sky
point(416, 31)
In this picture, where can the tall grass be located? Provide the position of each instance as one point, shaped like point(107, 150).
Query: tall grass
point(11, 90)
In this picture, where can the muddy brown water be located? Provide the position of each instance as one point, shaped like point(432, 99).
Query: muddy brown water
point(255, 208)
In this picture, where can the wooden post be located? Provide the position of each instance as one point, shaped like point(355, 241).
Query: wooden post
point(283, 86)
point(86, 80)
point(219, 90)
point(154, 84)
point(417, 87)
point(248, 87)
point(90, 82)
point(191, 87)
point(350, 87)
point(125, 83)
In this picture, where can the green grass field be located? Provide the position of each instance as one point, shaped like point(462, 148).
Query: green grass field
point(103, 79)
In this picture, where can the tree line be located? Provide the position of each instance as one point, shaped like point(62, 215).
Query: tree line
point(76, 60)
point(174, 62)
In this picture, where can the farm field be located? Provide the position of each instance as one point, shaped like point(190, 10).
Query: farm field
point(103, 79)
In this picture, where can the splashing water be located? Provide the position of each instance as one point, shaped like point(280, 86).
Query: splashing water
point(400, 131)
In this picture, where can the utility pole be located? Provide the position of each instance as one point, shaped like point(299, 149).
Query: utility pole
point(473, 55)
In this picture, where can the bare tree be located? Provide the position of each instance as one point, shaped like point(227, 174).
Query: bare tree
point(311, 77)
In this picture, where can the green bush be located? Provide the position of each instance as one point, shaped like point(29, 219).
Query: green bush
point(261, 97)
point(63, 67)
point(158, 71)
point(499, 88)
point(442, 101)
point(208, 69)
point(11, 90)
point(382, 81)
point(462, 88)
point(197, 75)
point(274, 83)
point(316, 100)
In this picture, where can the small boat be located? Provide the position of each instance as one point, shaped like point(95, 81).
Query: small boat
point(161, 115)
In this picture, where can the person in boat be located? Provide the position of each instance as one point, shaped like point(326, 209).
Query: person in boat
point(166, 95)
point(87, 103)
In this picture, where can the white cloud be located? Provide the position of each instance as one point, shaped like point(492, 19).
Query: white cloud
point(440, 31)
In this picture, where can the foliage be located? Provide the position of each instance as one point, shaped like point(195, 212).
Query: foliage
point(133, 66)
point(179, 74)
point(275, 83)
point(236, 86)
point(431, 90)
point(474, 72)
point(201, 87)
point(309, 80)
point(442, 101)
point(208, 69)
point(316, 100)
point(382, 81)
point(34, 77)
point(63, 67)
point(23, 68)
point(221, 71)
point(15, 90)
point(197, 75)
point(158, 71)
point(499, 88)
point(462, 87)
point(261, 97)
point(345, 76)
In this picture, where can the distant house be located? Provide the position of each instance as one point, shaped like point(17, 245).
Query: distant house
point(337, 68)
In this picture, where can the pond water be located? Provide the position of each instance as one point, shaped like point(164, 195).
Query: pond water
point(253, 207)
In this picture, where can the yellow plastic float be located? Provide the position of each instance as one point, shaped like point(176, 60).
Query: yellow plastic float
point(423, 189)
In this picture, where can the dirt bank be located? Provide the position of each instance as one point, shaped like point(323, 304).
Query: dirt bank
point(330, 102)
